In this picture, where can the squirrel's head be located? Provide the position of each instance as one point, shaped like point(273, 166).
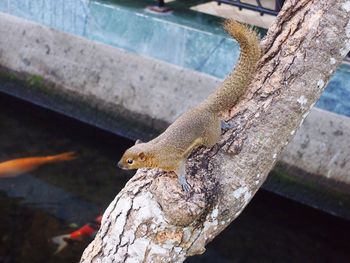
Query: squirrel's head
point(134, 158)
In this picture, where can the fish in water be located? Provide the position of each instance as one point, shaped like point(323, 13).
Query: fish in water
point(19, 166)
point(88, 230)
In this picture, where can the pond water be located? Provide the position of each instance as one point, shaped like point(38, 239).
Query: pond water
point(61, 197)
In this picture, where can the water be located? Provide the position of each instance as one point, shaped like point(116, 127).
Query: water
point(336, 97)
point(44, 203)
point(59, 198)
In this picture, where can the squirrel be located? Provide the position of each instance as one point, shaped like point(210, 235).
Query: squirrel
point(200, 125)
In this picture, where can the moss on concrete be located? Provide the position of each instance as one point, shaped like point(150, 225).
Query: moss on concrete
point(6, 75)
point(35, 81)
point(92, 110)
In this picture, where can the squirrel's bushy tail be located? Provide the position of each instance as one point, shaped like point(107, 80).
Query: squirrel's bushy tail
point(234, 86)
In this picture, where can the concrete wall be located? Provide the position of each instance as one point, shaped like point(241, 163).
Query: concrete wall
point(321, 147)
point(141, 88)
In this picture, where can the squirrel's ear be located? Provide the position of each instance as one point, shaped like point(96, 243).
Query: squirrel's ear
point(142, 156)
point(138, 141)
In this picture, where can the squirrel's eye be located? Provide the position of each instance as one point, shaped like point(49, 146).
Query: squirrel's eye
point(130, 161)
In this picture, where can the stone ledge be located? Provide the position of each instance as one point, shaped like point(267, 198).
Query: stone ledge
point(134, 87)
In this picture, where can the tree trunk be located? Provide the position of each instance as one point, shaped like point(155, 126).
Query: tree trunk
point(153, 220)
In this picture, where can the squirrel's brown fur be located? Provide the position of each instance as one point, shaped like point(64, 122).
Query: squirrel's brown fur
point(200, 125)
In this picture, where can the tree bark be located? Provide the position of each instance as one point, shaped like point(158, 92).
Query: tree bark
point(152, 220)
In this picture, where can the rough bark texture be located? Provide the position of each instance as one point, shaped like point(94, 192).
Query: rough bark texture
point(152, 220)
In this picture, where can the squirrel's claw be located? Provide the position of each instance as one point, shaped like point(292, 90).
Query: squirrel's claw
point(181, 176)
point(226, 126)
point(183, 182)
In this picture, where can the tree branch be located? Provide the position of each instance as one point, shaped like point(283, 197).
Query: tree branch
point(152, 220)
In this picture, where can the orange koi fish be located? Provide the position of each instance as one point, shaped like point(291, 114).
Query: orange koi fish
point(19, 166)
point(87, 230)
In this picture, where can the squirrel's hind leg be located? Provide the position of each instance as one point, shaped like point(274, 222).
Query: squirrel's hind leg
point(181, 175)
point(213, 134)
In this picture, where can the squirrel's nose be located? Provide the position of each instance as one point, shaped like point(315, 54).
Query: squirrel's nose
point(120, 164)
